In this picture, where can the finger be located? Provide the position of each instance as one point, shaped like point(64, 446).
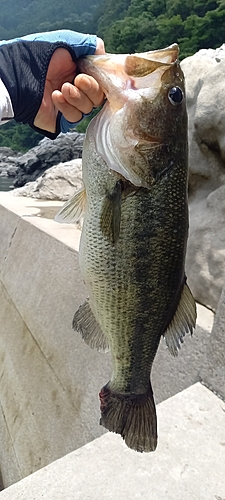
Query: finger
point(90, 87)
point(100, 47)
point(71, 113)
point(76, 98)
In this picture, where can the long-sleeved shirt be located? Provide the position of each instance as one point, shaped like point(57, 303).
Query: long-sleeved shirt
point(23, 67)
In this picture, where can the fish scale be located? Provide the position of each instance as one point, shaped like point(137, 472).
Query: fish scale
point(141, 274)
point(134, 235)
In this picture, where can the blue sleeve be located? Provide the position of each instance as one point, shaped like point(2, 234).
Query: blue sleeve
point(82, 45)
point(65, 125)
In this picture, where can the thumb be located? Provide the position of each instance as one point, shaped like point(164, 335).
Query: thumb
point(100, 47)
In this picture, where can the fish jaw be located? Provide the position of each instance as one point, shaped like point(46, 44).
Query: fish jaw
point(134, 128)
point(123, 71)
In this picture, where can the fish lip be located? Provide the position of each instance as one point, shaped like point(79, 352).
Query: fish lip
point(150, 55)
point(128, 66)
point(125, 86)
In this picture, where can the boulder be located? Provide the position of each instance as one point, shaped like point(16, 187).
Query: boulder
point(57, 183)
point(213, 368)
point(206, 247)
point(8, 162)
point(46, 154)
point(205, 84)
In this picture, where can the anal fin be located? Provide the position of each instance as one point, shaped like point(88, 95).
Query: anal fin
point(85, 323)
point(183, 322)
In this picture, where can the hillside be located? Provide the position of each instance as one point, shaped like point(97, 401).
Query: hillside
point(125, 26)
point(140, 25)
point(20, 17)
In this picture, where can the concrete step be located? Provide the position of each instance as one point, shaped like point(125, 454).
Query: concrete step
point(189, 463)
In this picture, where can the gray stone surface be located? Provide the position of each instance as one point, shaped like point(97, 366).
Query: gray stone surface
point(206, 246)
point(171, 375)
point(204, 75)
point(49, 379)
point(8, 159)
point(213, 369)
point(46, 154)
point(57, 183)
point(188, 463)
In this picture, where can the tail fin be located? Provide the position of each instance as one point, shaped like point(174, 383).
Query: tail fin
point(133, 416)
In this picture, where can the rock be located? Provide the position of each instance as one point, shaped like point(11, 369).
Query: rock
point(57, 183)
point(8, 159)
point(205, 84)
point(206, 247)
point(3, 169)
point(213, 368)
point(5, 152)
point(12, 167)
point(46, 154)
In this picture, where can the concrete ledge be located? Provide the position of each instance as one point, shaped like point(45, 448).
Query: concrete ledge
point(48, 395)
point(49, 378)
point(213, 370)
point(187, 465)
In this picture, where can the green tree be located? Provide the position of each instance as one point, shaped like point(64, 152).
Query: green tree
point(151, 24)
point(129, 35)
point(168, 31)
point(125, 25)
point(18, 136)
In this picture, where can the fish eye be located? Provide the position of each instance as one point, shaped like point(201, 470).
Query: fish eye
point(175, 96)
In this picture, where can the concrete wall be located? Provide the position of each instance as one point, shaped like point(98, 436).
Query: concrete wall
point(49, 379)
point(188, 463)
point(213, 369)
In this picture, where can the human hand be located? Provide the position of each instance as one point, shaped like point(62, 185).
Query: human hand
point(61, 95)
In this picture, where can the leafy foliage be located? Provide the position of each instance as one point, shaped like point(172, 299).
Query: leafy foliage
point(33, 16)
point(151, 24)
point(36, 16)
point(125, 26)
point(18, 136)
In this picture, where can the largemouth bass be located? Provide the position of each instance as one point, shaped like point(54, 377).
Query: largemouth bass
point(135, 228)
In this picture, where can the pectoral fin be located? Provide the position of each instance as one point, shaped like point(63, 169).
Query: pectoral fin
point(111, 214)
point(73, 209)
point(183, 321)
point(85, 323)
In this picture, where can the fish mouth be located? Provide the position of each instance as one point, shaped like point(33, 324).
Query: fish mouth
point(126, 132)
point(138, 64)
point(129, 71)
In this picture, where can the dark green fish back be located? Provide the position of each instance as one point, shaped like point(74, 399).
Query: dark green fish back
point(136, 283)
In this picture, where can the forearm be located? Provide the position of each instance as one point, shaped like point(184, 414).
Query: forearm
point(33, 70)
point(6, 109)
